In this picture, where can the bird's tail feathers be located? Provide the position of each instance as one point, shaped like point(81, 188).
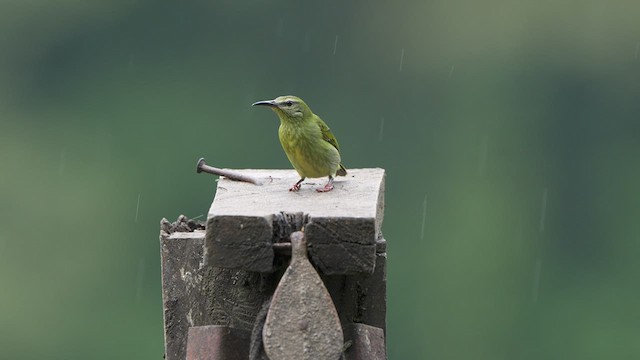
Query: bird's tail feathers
point(341, 171)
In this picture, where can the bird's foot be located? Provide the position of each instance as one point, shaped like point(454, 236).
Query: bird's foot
point(297, 185)
point(326, 188)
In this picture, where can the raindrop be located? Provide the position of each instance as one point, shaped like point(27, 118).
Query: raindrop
point(198, 217)
point(543, 209)
point(137, 208)
point(637, 50)
point(381, 128)
point(536, 279)
point(482, 160)
point(451, 71)
point(424, 217)
point(401, 59)
point(139, 279)
point(335, 46)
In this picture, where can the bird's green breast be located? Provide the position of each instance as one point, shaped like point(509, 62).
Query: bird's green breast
point(307, 151)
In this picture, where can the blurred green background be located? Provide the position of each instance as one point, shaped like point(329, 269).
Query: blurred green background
point(509, 130)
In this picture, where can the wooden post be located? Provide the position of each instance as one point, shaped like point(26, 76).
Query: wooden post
point(224, 276)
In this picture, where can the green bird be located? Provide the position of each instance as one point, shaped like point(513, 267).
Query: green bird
point(308, 142)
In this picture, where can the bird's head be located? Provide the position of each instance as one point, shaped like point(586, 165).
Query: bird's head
point(288, 108)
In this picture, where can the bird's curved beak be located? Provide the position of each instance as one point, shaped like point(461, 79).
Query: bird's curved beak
point(265, 103)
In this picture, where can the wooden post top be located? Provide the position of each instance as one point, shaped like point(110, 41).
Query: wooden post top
point(357, 195)
point(245, 219)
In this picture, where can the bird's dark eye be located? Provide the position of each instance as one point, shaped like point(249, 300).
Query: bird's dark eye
point(289, 103)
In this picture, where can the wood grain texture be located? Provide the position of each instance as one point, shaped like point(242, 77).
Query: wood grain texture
point(195, 295)
point(341, 226)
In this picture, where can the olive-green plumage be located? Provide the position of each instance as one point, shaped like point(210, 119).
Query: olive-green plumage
point(308, 142)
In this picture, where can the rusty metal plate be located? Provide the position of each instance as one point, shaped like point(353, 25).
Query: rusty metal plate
point(217, 342)
point(367, 343)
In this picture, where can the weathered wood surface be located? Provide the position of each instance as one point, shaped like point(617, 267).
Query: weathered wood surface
point(196, 295)
point(361, 298)
point(341, 226)
point(182, 277)
point(224, 276)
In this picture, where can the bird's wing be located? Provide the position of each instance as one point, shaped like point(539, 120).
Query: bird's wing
point(326, 133)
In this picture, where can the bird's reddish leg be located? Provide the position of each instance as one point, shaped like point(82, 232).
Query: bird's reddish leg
point(297, 185)
point(328, 186)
